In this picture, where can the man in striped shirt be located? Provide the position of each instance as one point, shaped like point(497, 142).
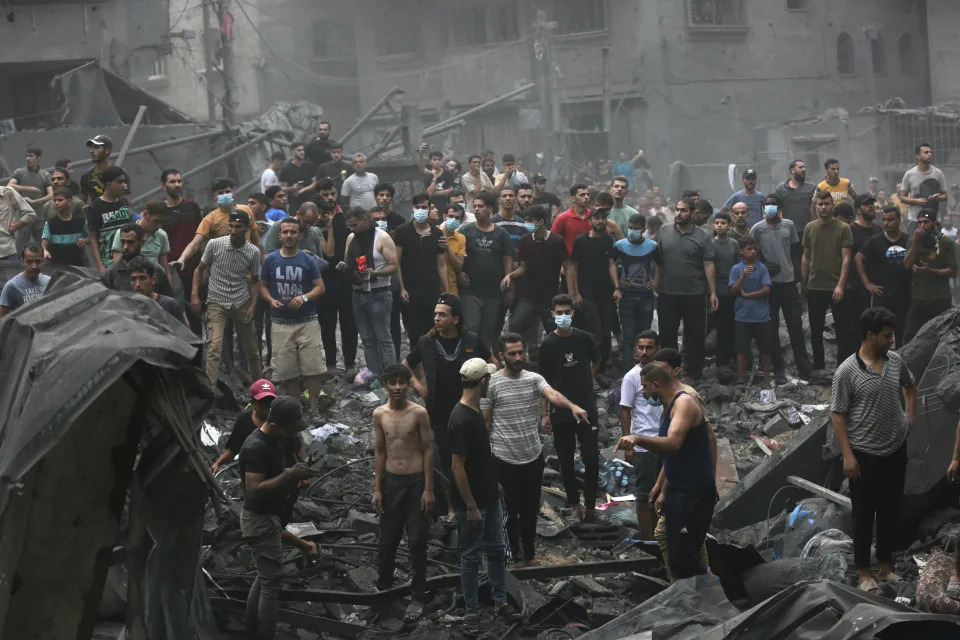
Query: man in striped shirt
point(512, 408)
point(871, 429)
point(229, 261)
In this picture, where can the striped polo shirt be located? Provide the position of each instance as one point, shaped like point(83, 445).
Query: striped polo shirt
point(229, 267)
point(515, 402)
point(876, 422)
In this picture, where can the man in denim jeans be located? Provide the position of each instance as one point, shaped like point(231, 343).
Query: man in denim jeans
point(476, 500)
point(370, 257)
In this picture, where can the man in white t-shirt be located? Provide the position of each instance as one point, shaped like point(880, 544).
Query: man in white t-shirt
point(639, 417)
point(358, 188)
point(923, 186)
point(269, 176)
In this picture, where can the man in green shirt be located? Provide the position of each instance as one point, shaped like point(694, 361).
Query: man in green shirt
point(827, 250)
point(620, 212)
point(933, 259)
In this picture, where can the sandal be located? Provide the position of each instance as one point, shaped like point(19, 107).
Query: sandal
point(870, 586)
point(953, 590)
point(413, 613)
point(471, 624)
point(506, 612)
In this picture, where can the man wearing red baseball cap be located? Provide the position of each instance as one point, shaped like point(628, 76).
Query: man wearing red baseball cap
point(262, 393)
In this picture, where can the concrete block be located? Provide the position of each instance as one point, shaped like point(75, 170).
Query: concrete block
point(363, 522)
point(590, 586)
point(775, 426)
point(604, 610)
point(362, 579)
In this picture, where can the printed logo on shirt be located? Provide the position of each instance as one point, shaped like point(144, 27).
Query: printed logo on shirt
point(895, 254)
point(123, 213)
point(569, 361)
point(484, 245)
point(289, 280)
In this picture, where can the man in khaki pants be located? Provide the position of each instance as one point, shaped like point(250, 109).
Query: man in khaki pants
point(229, 261)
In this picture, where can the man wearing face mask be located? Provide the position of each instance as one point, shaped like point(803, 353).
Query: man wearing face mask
point(795, 195)
point(690, 491)
point(637, 272)
point(780, 250)
point(422, 258)
point(541, 254)
point(569, 359)
point(216, 224)
point(640, 416)
point(456, 249)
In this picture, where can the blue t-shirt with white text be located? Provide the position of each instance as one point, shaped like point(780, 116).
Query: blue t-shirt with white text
point(18, 290)
point(289, 278)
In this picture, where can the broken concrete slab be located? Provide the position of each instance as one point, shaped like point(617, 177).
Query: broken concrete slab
point(604, 610)
point(362, 579)
point(726, 474)
point(590, 586)
point(363, 522)
point(775, 426)
point(749, 499)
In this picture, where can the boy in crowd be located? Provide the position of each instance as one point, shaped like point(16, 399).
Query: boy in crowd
point(65, 236)
point(726, 252)
point(750, 282)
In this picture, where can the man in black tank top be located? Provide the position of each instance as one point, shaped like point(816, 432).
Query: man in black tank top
point(690, 490)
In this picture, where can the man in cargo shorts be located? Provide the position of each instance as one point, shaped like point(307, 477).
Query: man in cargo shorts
point(290, 283)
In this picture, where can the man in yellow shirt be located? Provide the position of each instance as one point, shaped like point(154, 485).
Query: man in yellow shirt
point(839, 188)
point(456, 243)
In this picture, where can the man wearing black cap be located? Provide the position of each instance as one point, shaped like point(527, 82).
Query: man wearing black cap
point(749, 195)
point(108, 212)
point(234, 266)
point(933, 259)
point(92, 182)
point(267, 481)
point(542, 196)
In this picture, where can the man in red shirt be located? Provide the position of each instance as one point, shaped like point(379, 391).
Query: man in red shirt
point(574, 221)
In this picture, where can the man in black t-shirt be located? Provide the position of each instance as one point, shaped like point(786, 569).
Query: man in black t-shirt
point(879, 263)
point(421, 258)
point(437, 180)
point(267, 483)
point(568, 360)
point(106, 214)
point(143, 279)
point(336, 168)
point(298, 178)
point(318, 151)
point(594, 285)
point(543, 197)
point(435, 362)
point(476, 499)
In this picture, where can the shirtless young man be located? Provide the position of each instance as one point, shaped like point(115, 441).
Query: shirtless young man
point(403, 483)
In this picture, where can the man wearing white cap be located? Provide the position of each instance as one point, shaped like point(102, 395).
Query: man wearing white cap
point(476, 500)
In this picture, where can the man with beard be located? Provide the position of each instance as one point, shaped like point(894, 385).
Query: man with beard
point(690, 490)
point(27, 285)
point(298, 177)
point(933, 260)
point(370, 258)
point(338, 300)
point(741, 228)
point(336, 169)
point(435, 363)
point(183, 218)
point(862, 229)
point(143, 280)
point(749, 195)
point(512, 413)
point(923, 186)
point(403, 494)
point(795, 195)
point(291, 284)
point(827, 249)
point(544, 198)
point(880, 265)
point(871, 388)
point(476, 500)
point(156, 245)
point(639, 416)
point(320, 149)
point(779, 248)
point(118, 275)
point(234, 266)
point(311, 238)
point(685, 278)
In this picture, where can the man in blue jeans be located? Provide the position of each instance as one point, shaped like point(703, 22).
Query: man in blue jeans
point(370, 258)
point(476, 499)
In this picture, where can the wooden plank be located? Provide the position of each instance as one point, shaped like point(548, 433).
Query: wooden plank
point(726, 474)
point(763, 446)
point(823, 492)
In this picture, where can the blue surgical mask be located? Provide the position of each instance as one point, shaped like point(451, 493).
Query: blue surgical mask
point(420, 215)
point(530, 226)
point(382, 225)
point(654, 402)
point(635, 236)
point(452, 223)
point(563, 322)
point(225, 199)
point(770, 211)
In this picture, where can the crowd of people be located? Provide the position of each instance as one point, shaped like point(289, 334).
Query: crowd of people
point(515, 305)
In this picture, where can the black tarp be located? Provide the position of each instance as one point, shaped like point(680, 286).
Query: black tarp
point(99, 405)
point(805, 611)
